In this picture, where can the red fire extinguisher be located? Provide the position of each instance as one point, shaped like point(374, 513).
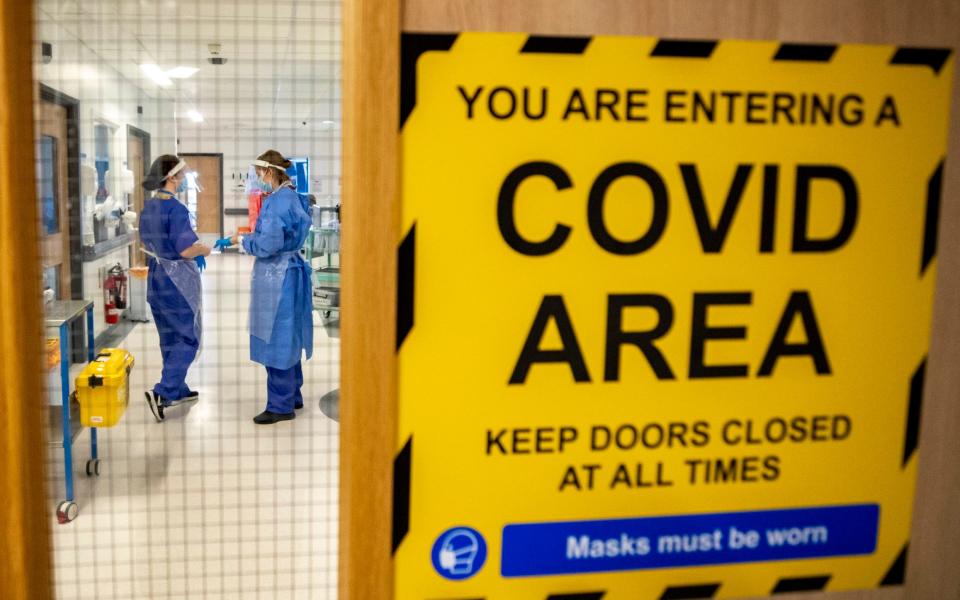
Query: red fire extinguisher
point(114, 294)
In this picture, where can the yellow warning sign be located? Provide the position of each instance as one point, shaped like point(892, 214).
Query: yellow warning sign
point(663, 314)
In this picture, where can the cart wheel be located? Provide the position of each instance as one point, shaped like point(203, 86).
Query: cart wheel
point(67, 511)
point(93, 467)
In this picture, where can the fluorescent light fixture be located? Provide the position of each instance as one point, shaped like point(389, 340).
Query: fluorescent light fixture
point(156, 74)
point(182, 72)
point(327, 123)
point(195, 116)
point(165, 78)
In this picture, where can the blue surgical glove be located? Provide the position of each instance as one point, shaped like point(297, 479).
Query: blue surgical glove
point(222, 243)
point(201, 262)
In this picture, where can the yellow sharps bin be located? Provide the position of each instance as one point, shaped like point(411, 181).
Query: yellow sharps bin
point(102, 388)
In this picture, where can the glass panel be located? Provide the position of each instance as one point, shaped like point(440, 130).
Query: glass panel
point(205, 503)
point(51, 280)
point(101, 146)
point(190, 196)
point(47, 184)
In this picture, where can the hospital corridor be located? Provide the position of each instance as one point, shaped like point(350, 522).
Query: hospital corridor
point(188, 204)
point(208, 504)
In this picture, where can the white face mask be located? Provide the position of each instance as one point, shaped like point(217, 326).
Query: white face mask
point(265, 186)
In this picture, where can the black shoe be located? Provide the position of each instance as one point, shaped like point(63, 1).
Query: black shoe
point(190, 397)
point(155, 403)
point(269, 418)
point(185, 401)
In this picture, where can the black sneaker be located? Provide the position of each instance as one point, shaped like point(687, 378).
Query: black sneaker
point(269, 418)
point(155, 403)
point(188, 399)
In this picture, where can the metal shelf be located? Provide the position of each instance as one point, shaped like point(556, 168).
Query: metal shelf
point(101, 249)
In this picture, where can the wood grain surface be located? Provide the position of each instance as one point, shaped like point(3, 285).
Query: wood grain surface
point(370, 220)
point(24, 510)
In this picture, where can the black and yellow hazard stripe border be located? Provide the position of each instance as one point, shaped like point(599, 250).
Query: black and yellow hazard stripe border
point(414, 45)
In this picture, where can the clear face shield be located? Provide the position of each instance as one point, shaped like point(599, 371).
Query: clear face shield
point(262, 164)
point(172, 174)
point(176, 174)
point(259, 169)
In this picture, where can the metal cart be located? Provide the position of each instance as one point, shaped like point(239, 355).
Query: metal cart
point(323, 243)
point(59, 316)
point(326, 287)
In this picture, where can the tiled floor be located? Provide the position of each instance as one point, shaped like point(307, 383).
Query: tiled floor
point(207, 504)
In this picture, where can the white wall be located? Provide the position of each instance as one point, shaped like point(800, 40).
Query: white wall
point(241, 143)
point(105, 96)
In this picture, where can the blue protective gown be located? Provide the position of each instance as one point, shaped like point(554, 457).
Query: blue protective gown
point(281, 229)
point(165, 231)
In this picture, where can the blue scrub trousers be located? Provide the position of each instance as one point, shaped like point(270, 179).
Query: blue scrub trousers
point(283, 389)
point(178, 347)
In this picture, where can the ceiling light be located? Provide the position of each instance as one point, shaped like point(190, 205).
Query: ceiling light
point(156, 74)
point(327, 123)
point(195, 116)
point(182, 72)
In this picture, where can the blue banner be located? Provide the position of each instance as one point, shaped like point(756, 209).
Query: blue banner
point(532, 549)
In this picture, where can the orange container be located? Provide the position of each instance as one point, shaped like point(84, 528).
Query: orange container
point(254, 204)
point(53, 352)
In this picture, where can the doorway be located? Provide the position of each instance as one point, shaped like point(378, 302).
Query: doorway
point(204, 195)
point(53, 197)
point(138, 161)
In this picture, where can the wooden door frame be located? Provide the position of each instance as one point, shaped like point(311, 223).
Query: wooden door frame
point(74, 216)
point(25, 571)
point(185, 155)
point(144, 137)
point(368, 368)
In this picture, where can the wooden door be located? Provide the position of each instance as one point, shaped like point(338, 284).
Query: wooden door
point(370, 196)
point(136, 164)
point(54, 209)
point(209, 202)
point(25, 570)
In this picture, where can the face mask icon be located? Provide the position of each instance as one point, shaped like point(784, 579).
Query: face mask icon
point(459, 553)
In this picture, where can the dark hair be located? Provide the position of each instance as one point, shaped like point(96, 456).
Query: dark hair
point(275, 158)
point(158, 171)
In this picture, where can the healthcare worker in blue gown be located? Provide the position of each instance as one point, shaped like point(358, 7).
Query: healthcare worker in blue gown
point(175, 258)
point(281, 310)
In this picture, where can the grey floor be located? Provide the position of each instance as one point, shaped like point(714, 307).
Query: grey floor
point(207, 504)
